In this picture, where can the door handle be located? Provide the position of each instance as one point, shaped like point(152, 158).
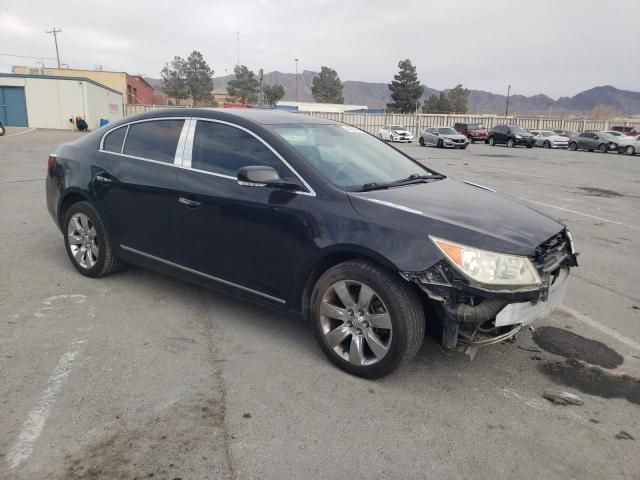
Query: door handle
point(103, 179)
point(189, 203)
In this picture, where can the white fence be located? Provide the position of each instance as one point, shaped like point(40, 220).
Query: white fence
point(372, 122)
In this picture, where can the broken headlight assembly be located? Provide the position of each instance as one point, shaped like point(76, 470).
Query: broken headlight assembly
point(492, 269)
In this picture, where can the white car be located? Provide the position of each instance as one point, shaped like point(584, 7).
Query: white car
point(395, 133)
point(621, 136)
point(549, 139)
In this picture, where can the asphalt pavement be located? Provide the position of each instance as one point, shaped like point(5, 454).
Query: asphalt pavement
point(138, 375)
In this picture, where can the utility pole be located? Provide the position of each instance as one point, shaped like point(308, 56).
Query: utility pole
point(506, 112)
point(296, 78)
point(55, 40)
point(238, 41)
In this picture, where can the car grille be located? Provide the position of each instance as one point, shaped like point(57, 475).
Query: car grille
point(551, 254)
point(457, 140)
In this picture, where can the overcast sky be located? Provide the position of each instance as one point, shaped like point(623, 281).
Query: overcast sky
point(543, 46)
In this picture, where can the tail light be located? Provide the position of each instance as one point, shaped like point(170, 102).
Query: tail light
point(52, 162)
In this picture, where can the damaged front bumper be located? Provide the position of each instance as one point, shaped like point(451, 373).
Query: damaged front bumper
point(475, 314)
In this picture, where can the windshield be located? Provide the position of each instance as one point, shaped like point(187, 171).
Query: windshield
point(475, 125)
point(397, 127)
point(517, 129)
point(348, 157)
point(447, 131)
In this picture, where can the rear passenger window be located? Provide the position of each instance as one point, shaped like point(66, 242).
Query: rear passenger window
point(113, 141)
point(219, 148)
point(155, 140)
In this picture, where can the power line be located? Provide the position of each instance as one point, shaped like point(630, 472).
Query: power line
point(55, 39)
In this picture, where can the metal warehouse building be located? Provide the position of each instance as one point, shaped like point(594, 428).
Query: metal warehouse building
point(42, 101)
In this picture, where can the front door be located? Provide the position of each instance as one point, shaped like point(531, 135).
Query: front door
point(13, 107)
point(239, 235)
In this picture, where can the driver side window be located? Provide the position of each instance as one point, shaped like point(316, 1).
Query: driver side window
point(222, 149)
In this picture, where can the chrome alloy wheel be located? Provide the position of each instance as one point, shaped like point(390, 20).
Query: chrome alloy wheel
point(355, 323)
point(83, 241)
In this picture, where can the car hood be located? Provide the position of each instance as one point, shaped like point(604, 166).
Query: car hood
point(404, 132)
point(460, 212)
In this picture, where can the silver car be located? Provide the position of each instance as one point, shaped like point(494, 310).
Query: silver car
point(443, 137)
point(549, 139)
point(601, 141)
point(629, 145)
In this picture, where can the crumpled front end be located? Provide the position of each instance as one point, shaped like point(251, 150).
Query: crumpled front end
point(475, 314)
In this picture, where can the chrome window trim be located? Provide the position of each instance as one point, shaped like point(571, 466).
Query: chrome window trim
point(311, 192)
point(101, 147)
point(178, 158)
point(124, 140)
point(205, 275)
point(113, 130)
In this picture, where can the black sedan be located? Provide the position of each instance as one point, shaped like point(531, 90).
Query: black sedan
point(313, 217)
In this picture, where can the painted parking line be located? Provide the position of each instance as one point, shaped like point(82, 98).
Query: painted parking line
point(20, 133)
point(602, 219)
point(37, 418)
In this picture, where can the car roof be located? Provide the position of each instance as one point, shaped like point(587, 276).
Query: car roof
point(255, 115)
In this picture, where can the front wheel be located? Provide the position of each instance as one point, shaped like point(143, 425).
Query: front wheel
point(629, 150)
point(510, 143)
point(573, 146)
point(2, 130)
point(421, 142)
point(492, 141)
point(87, 241)
point(471, 140)
point(546, 144)
point(603, 148)
point(366, 320)
point(440, 144)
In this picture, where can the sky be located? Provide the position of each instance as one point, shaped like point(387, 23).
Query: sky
point(555, 47)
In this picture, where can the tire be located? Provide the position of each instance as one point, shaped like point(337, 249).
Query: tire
point(421, 142)
point(404, 317)
point(95, 265)
point(2, 130)
point(546, 144)
point(492, 141)
point(510, 143)
point(603, 148)
point(440, 144)
point(471, 140)
point(530, 145)
point(573, 146)
point(629, 150)
point(464, 148)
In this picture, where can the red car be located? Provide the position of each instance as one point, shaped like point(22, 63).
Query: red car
point(473, 131)
point(630, 131)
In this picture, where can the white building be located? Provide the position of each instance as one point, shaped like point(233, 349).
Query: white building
point(42, 101)
point(320, 107)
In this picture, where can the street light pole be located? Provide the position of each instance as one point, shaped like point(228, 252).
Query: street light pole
point(506, 112)
point(296, 78)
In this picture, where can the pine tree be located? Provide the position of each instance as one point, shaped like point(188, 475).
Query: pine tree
point(327, 87)
point(458, 97)
point(198, 78)
point(405, 88)
point(245, 84)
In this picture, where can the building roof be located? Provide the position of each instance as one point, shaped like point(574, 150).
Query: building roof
point(55, 77)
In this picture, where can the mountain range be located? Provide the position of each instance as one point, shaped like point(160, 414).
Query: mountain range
point(377, 95)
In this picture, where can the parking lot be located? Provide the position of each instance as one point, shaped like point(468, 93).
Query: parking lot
point(138, 375)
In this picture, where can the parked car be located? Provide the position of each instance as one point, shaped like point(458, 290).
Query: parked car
point(566, 133)
point(395, 133)
point(619, 135)
point(473, 131)
point(311, 217)
point(549, 139)
point(631, 146)
point(630, 131)
point(601, 141)
point(2, 130)
point(509, 135)
point(443, 137)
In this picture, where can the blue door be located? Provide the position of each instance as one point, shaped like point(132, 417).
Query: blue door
point(13, 107)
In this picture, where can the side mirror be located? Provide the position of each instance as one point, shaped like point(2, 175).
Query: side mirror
point(596, 137)
point(259, 176)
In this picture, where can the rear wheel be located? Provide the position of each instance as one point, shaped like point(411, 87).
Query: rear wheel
point(629, 150)
point(87, 241)
point(492, 141)
point(573, 146)
point(510, 143)
point(366, 320)
point(603, 148)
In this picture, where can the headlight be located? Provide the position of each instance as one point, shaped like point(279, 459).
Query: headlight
point(518, 136)
point(490, 268)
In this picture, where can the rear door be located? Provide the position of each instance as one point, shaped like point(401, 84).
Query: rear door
point(135, 185)
point(234, 234)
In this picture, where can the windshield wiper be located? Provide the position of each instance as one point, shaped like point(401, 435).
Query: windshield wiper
point(413, 178)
